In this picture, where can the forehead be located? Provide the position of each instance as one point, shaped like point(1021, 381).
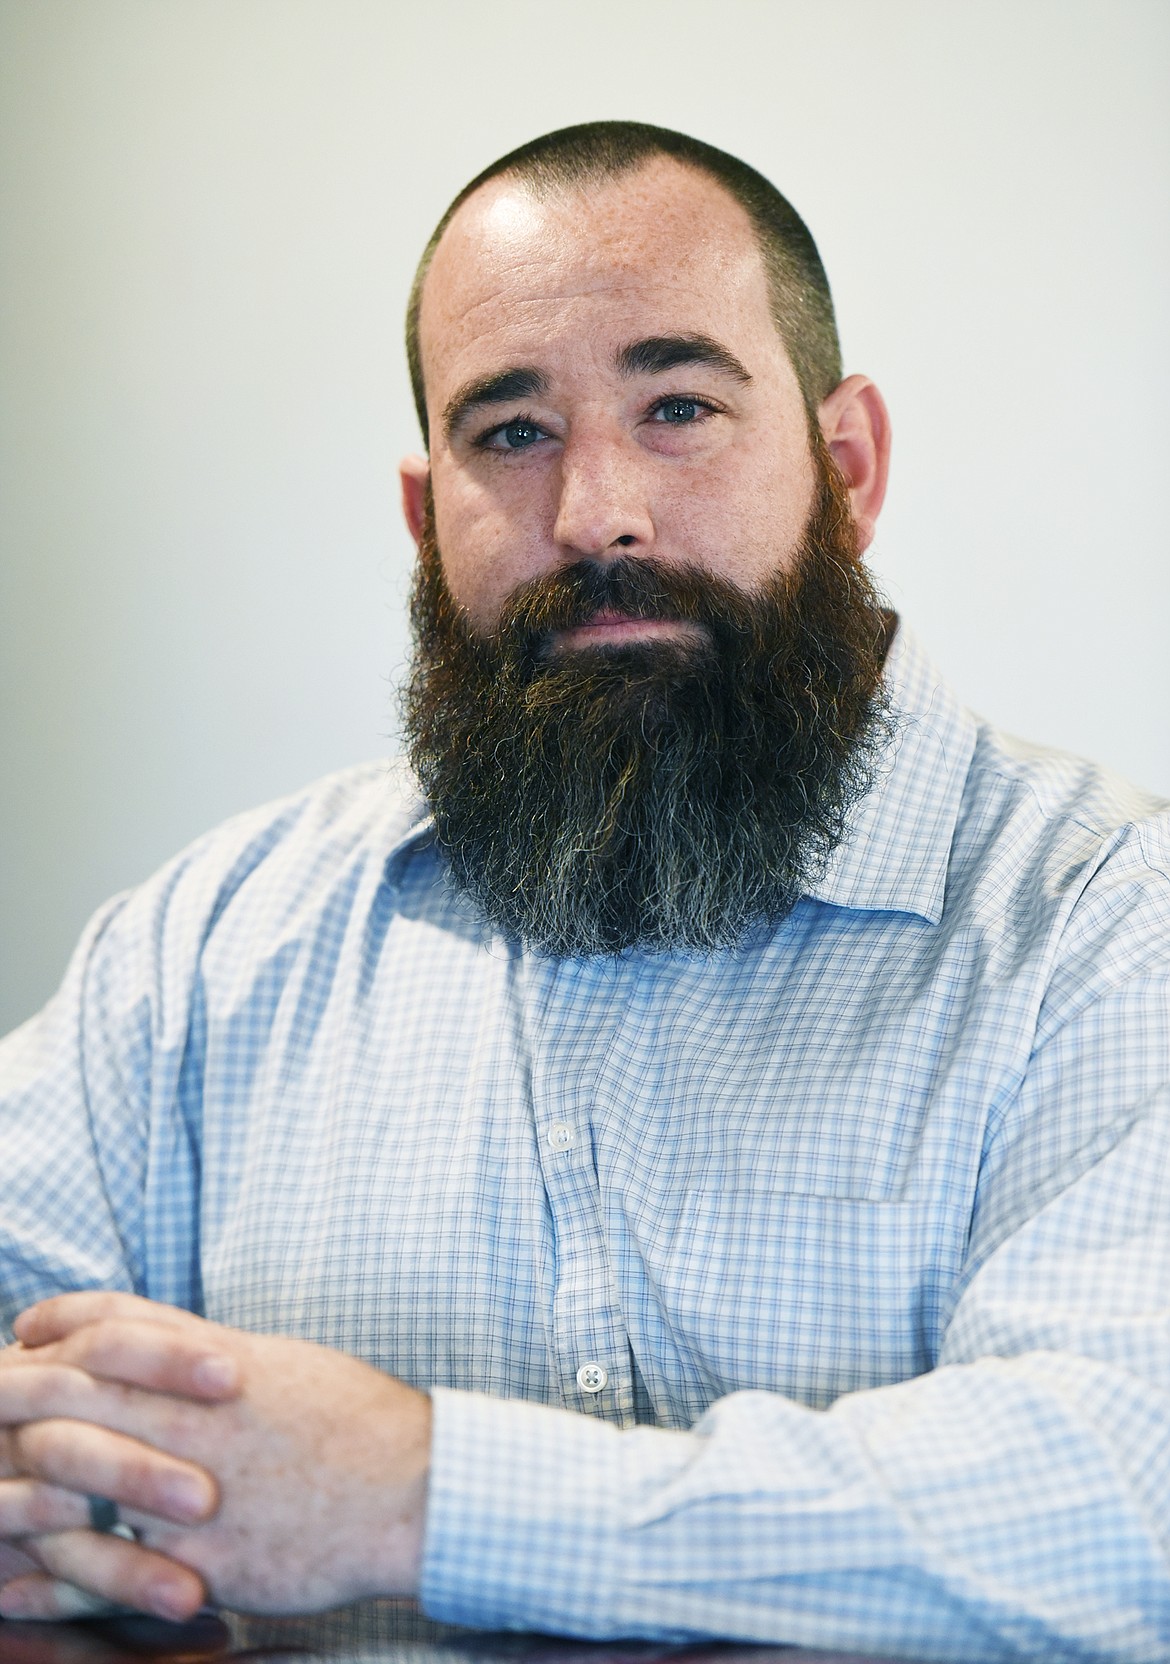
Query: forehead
point(664, 249)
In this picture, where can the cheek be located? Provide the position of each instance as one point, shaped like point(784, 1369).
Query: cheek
point(485, 552)
point(745, 519)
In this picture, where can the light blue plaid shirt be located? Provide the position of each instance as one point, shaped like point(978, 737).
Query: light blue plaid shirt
point(815, 1292)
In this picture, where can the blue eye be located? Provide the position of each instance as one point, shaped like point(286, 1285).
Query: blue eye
point(679, 411)
point(519, 434)
point(513, 436)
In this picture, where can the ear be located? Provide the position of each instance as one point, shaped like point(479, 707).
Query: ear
point(856, 426)
point(414, 472)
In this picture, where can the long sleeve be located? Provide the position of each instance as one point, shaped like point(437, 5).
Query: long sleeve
point(1013, 1501)
point(99, 1120)
point(131, 1097)
point(1002, 1506)
point(74, 1085)
point(864, 1225)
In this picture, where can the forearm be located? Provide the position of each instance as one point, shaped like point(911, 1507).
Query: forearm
point(973, 1513)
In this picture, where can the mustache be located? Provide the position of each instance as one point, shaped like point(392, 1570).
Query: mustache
point(667, 795)
point(632, 588)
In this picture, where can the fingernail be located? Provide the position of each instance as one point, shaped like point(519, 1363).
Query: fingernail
point(215, 1373)
point(187, 1495)
point(170, 1600)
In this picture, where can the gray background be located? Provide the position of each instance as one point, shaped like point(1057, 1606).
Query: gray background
point(210, 214)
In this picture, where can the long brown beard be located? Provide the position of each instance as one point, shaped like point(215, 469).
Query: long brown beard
point(665, 795)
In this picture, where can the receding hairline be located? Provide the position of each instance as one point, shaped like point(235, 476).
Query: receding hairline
point(587, 159)
point(557, 192)
point(541, 188)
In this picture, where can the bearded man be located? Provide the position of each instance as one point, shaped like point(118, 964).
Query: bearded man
point(700, 1168)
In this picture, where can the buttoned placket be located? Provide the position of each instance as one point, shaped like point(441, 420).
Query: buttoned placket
point(572, 1008)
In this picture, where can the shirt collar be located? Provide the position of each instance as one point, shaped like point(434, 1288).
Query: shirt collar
point(896, 851)
point(414, 821)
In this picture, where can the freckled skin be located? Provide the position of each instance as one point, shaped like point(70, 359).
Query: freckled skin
point(561, 285)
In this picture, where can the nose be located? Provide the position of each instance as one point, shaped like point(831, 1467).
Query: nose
point(603, 508)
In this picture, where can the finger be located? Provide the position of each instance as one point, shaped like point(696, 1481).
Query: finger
point(41, 1388)
point(44, 1390)
point(14, 1562)
point(29, 1506)
point(58, 1316)
point(41, 1597)
point(94, 1461)
point(106, 1439)
point(112, 1569)
point(162, 1357)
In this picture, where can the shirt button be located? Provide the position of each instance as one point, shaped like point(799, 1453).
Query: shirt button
point(592, 1378)
point(560, 1136)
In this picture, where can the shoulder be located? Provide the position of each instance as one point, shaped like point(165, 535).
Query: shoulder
point(263, 875)
point(356, 814)
point(1063, 786)
point(1020, 847)
point(1065, 869)
point(964, 822)
point(1064, 815)
point(276, 887)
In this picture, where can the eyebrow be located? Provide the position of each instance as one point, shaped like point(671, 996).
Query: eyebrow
point(522, 382)
point(649, 357)
point(666, 352)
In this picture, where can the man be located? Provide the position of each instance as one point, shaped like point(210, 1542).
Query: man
point(701, 1172)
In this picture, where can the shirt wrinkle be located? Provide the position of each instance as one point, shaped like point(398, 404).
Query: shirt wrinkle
point(636, 1223)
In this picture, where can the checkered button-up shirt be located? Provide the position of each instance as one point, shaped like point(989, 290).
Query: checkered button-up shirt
point(814, 1292)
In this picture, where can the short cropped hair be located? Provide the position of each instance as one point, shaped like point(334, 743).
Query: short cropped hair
point(596, 152)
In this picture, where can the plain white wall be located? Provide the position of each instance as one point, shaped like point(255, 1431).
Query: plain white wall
point(211, 210)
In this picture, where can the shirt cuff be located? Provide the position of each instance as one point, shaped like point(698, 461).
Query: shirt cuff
point(525, 1514)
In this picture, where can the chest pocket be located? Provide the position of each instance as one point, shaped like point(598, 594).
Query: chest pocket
point(810, 1296)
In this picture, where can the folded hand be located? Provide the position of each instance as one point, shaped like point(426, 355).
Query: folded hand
point(265, 1473)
